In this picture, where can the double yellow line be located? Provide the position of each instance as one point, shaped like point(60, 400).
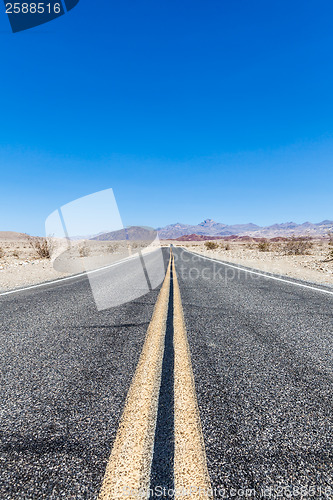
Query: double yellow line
point(128, 471)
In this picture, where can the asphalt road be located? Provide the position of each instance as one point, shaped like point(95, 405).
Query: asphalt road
point(65, 372)
point(262, 356)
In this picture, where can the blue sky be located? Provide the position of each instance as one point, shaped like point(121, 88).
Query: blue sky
point(187, 109)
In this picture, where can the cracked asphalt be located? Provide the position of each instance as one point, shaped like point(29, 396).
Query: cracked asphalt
point(262, 356)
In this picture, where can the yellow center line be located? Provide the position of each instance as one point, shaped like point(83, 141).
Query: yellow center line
point(128, 470)
point(190, 466)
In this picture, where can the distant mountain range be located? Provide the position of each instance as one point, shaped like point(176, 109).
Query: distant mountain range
point(211, 228)
point(200, 231)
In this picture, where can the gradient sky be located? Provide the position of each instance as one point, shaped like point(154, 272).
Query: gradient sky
point(187, 109)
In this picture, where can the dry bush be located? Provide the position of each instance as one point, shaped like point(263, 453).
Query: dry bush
point(211, 245)
point(83, 251)
point(330, 247)
point(264, 246)
point(226, 246)
point(297, 245)
point(2, 253)
point(330, 239)
point(112, 247)
point(16, 254)
point(42, 247)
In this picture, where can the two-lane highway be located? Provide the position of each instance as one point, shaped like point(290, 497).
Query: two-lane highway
point(223, 378)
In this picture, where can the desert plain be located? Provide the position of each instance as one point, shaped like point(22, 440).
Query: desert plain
point(21, 265)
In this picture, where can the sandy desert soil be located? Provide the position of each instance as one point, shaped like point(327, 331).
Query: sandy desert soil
point(313, 267)
point(20, 265)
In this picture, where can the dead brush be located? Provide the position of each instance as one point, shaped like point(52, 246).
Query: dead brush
point(2, 253)
point(83, 251)
point(300, 245)
point(211, 245)
point(330, 239)
point(112, 247)
point(264, 246)
point(42, 247)
point(329, 256)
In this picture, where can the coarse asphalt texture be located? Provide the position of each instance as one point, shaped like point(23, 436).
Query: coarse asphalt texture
point(262, 357)
point(65, 372)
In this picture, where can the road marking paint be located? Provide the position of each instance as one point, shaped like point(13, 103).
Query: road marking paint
point(190, 466)
point(128, 470)
point(276, 278)
point(67, 278)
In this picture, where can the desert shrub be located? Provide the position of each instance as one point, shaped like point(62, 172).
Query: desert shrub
point(112, 247)
point(211, 245)
point(330, 239)
point(16, 254)
point(83, 251)
point(2, 253)
point(264, 246)
point(329, 256)
point(227, 246)
point(42, 246)
point(297, 246)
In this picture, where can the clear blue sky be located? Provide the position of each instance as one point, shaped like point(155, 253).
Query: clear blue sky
point(188, 109)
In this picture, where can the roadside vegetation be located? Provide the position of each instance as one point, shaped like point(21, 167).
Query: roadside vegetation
point(330, 247)
point(42, 247)
point(300, 245)
point(211, 245)
point(264, 246)
point(83, 251)
point(112, 247)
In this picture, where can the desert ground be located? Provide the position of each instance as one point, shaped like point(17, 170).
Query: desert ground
point(314, 265)
point(21, 263)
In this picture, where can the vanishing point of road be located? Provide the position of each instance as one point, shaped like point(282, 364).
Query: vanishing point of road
point(217, 384)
